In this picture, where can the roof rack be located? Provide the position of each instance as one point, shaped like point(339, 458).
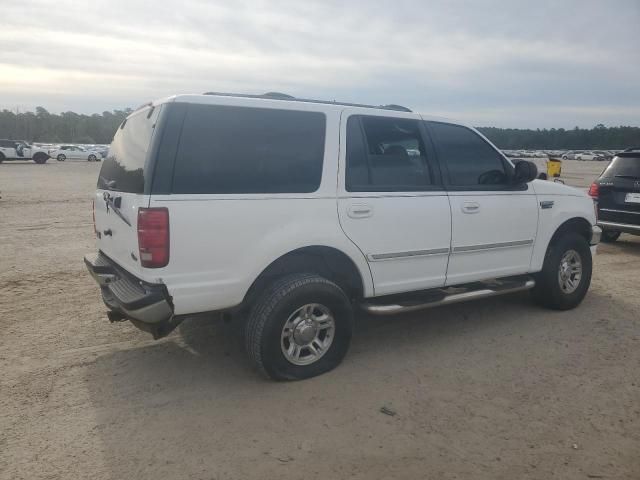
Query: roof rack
point(284, 96)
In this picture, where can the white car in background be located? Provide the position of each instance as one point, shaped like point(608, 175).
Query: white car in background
point(74, 152)
point(21, 150)
point(587, 156)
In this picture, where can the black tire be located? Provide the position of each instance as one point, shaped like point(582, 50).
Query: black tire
point(548, 291)
point(272, 310)
point(610, 236)
point(1, 157)
point(40, 158)
point(92, 158)
point(61, 158)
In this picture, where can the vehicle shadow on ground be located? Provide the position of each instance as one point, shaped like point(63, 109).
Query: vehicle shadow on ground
point(184, 395)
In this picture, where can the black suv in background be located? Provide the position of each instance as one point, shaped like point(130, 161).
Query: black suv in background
point(617, 192)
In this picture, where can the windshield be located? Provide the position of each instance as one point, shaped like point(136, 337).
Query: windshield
point(625, 166)
point(123, 169)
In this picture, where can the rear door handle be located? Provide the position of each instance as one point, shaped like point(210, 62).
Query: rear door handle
point(470, 207)
point(359, 211)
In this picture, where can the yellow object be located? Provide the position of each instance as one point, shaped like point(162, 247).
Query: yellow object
point(554, 168)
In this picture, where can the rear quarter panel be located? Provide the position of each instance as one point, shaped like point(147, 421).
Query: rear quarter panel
point(221, 243)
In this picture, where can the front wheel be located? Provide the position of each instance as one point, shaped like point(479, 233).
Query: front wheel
point(610, 236)
point(299, 328)
point(40, 158)
point(92, 158)
point(61, 158)
point(566, 273)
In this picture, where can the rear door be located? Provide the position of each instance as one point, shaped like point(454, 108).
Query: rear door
point(121, 189)
point(494, 223)
point(619, 190)
point(391, 201)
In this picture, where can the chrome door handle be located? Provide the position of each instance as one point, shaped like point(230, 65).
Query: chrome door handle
point(359, 211)
point(470, 207)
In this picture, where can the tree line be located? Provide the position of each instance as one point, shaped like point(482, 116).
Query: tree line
point(71, 127)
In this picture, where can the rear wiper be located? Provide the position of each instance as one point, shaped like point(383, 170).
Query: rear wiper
point(114, 203)
point(632, 177)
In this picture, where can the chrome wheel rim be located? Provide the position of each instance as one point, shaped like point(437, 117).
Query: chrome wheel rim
point(307, 334)
point(570, 271)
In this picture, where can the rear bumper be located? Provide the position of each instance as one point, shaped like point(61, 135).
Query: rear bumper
point(619, 227)
point(147, 305)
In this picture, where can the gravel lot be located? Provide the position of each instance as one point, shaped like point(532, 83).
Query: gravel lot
point(493, 389)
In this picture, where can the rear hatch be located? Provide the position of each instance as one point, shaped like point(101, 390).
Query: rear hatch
point(121, 189)
point(619, 190)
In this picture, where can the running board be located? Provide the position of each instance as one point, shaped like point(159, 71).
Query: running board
point(447, 296)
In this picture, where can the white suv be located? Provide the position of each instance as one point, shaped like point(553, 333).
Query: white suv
point(288, 214)
point(21, 150)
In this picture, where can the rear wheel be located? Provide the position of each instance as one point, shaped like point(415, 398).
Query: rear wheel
point(566, 274)
point(61, 157)
point(299, 328)
point(1, 157)
point(610, 236)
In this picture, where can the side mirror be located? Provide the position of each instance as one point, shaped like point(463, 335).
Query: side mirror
point(525, 172)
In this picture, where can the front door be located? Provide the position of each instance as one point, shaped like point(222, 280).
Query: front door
point(391, 201)
point(494, 223)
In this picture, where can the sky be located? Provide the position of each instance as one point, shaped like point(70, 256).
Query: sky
point(521, 64)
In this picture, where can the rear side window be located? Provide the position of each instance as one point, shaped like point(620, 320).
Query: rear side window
point(123, 169)
point(249, 150)
point(623, 166)
point(469, 159)
point(385, 154)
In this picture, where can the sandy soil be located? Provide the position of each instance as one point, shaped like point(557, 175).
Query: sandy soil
point(496, 389)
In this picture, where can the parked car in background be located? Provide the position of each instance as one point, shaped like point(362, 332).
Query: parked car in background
point(571, 154)
point(21, 150)
point(617, 192)
point(74, 152)
point(602, 156)
point(287, 215)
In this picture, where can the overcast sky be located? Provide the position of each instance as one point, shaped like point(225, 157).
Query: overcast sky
point(533, 63)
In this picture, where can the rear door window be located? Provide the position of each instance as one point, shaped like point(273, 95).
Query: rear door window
point(123, 168)
point(470, 161)
point(385, 154)
point(235, 150)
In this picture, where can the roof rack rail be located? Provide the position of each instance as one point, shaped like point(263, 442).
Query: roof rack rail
point(630, 149)
point(284, 96)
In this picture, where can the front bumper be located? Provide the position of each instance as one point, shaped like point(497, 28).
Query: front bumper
point(596, 235)
point(148, 306)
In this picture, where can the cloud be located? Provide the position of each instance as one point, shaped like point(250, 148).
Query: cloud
point(509, 63)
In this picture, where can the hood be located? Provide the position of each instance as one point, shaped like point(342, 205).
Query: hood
point(545, 187)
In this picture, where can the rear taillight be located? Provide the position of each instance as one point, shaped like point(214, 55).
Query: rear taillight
point(153, 237)
point(594, 190)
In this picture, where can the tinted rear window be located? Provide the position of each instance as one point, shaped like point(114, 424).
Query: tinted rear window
point(249, 150)
point(628, 166)
point(123, 169)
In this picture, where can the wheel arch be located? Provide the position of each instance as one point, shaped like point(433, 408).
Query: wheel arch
point(329, 262)
point(578, 225)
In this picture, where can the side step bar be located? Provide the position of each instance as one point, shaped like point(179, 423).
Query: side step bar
point(447, 296)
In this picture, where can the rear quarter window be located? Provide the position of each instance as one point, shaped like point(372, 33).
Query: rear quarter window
point(234, 150)
point(628, 166)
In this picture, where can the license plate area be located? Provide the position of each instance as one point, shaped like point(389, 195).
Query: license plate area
point(632, 198)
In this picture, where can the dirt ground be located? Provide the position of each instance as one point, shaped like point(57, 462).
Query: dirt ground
point(495, 389)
